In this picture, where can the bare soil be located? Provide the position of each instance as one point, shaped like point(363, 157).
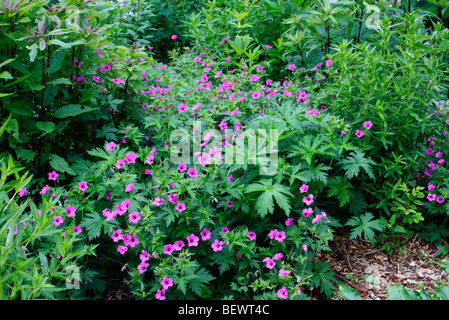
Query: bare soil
point(370, 270)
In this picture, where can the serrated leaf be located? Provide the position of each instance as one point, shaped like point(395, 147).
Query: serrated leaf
point(354, 162)
point(339, 187)
point(265, 202)
point(60, 164)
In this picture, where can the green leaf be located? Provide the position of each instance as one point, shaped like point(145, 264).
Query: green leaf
point(398, 292)
point(339, 187)
point(348, 293)
point(265, 202)
point(47, 126)
point(354, 162)
point(60, 81)
point(364, 225)
point(6, 75)
point(71, 110)
point(56, 62)
point(59, 164)
point(442, 292)
point(20, 107)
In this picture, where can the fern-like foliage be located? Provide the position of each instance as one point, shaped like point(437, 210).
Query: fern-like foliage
point(340, 188)
point(270, 193)
point(354, 162)
point(364, 226)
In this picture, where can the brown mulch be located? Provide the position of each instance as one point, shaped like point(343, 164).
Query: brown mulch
point(370, 270)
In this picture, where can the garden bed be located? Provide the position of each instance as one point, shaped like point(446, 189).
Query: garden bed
point(371, 270)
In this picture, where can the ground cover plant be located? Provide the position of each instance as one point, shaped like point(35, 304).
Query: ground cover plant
point(216, 157)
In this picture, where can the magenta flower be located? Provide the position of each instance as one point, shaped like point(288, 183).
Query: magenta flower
point(270, 263)
point(70, 211)
point(205, 234)
point(110, 146)
point(440, 199)
point(291, 67)
point(251, 235)
point(44, 190)
point(343, 132)
point(283, 273)
point(278, 256)
point(368, 124)
point(52, 175)
point(217, 245)
point(168, 249)
point(282, 293)
point(222, 125)
point(117, 235)
point(431, 196)
point(130, 158)
point(57, 220)
point(22, 192)
point(174, 37)
point(273, 233)
point(82, 185)
point(122, 249)
point(317, 218)
point(308, 200)
point(144, 256)
point(182, 167)
point(158, 201)
point(429, 151)
point(134, 217)
point(120, 163)
point(307, 212)
point(149, 160)
point(289, 222)
point(178, 245)
point(180, 207)
point(77, 229)
point(280, 236)
point(129, 187)
point(124, 205)
point(160, 294)
point(192, 173)
point(143, 267)
point(304, 188)
point(192, 240)
point(166, 283)
point(328, 62)
point(130, 240)
point(359, 133)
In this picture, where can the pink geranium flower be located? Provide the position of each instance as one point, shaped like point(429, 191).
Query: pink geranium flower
point(52, 175)
point(217, 245)
point(205, 234)
point(192, 240)
point(192, 173)
point(82, 185)
point(180, 207)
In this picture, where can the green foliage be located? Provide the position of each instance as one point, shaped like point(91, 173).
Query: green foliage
point(365, 226)
point(298, 112)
